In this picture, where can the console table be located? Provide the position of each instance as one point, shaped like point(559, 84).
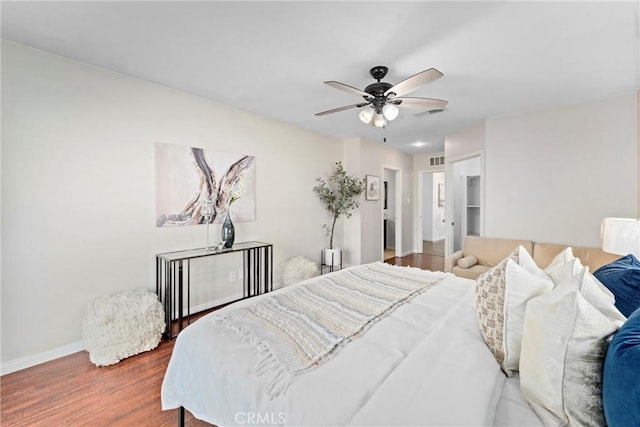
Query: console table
point(173, 275)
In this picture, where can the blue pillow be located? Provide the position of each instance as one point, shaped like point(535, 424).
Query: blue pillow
point(621, 378)
point(622, 277)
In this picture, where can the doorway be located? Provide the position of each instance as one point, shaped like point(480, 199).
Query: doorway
point(465, 211)
point(431, 213)
point(392, 213)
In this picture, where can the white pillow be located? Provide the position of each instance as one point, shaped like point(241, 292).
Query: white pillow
point(565, 265)
point(557, 266)
point(501, 297)
point(561, 259)
point(564, 341)
point(526, 261)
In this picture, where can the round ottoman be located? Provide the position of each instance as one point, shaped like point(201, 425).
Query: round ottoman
point(122, 325)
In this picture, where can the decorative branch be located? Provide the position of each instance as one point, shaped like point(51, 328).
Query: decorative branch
point(339, 195)
point(229, 181)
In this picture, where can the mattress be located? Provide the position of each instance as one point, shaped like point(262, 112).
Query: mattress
point(423, 364)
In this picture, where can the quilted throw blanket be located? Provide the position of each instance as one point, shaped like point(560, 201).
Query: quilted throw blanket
point(296, 330)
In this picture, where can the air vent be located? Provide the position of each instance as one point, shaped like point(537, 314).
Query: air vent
point(436, 161)
point(429, 112)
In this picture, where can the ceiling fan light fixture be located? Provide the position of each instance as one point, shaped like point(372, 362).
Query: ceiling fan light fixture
point(379, 120)
point(382, 99)
point(366, 115)
point(390, 111)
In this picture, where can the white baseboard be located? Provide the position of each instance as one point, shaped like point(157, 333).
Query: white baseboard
point(49, 355)
point(36, 359)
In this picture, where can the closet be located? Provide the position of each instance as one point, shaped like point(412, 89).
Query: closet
point(470, 219)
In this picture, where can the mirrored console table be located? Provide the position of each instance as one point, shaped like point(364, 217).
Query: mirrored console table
point(173, 275)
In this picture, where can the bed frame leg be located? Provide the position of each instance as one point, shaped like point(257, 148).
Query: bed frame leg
point(181, 417)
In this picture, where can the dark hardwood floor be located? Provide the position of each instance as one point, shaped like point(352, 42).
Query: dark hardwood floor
point(71, 391)
point(424, 261)
point(431, 258)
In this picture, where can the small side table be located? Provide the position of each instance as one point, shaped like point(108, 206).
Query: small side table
point(330, 264)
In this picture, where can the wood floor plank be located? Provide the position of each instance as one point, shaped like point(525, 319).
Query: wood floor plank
point(71, 391)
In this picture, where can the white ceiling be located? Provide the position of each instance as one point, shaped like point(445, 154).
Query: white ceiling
point(271, 57)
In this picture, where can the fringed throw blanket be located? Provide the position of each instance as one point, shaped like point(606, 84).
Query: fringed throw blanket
point(298, 329)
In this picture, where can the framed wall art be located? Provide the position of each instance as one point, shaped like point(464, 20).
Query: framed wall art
point(373, 187)
point(186, 177)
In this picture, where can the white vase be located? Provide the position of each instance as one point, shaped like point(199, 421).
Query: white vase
point(333, 256)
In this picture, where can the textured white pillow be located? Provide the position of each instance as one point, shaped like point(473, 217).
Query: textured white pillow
point(501, 297)
point(564, 341)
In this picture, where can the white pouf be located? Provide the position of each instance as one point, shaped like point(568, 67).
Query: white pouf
point(297, 269)
point(122, 325)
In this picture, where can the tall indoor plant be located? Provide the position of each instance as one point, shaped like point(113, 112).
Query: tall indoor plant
point(339, 195)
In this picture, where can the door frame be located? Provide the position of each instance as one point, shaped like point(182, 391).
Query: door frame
point(449, 207)
point(417, 240)
point(398, 211)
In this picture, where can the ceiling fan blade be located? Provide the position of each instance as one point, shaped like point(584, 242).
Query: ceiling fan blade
point(414, 82)
point(420, 103)
point(347, 88)
point(348, 107)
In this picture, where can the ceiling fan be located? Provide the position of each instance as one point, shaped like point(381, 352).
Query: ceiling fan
point(382, 99)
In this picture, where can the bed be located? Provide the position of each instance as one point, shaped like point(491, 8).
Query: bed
point(424, 362)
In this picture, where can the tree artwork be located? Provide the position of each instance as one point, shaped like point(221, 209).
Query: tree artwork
point(186, 177)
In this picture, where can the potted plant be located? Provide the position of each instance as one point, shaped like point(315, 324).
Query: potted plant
point(339, 195)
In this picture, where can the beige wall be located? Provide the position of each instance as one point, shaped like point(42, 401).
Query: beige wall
point(78, 203)
point(468, 141)
point(553, 175)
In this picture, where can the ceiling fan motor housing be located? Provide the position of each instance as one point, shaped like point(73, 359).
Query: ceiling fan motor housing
point(378, 89)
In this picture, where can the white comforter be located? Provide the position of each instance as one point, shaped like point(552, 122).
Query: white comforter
point(424, 364)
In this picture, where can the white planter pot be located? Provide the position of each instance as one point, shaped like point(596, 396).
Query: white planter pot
point(332, 256)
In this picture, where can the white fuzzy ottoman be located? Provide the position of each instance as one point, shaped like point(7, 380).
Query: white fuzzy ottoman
point(296, 270)
point(121, 325)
